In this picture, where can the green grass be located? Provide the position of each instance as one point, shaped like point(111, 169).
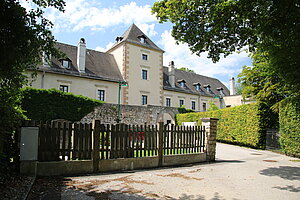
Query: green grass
point(295, 160)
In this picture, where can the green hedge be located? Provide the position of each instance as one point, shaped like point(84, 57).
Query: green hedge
point(41, 104)
point(243, 125)
point(289, 120)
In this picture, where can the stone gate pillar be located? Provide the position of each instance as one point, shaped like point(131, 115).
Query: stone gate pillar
point(211, 137)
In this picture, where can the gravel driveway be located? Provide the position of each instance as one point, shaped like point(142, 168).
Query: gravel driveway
point(238, 173)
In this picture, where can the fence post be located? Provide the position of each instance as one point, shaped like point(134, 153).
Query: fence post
point(96, 145)
point(160, 143)
point(211, 134)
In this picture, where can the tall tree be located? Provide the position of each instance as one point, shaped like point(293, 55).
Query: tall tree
point(262, 82)
point(225, 26)
point(24, 37)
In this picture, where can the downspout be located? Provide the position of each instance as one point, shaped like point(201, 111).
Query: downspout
point(43, 79)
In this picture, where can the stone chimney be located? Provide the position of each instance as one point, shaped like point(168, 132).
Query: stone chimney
point(232, 86)
point(81, 54)
point(172, 74)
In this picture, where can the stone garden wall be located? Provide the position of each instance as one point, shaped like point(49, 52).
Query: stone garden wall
point(134, 115)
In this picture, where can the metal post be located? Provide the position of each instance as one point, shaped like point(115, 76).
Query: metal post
point(119, 106)
point(121, 83)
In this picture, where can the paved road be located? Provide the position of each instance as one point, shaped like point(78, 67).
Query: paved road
point(239, 173)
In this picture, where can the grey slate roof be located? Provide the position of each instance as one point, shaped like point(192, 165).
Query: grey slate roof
point(190, 80)
point(98, 65)
point(132, 35)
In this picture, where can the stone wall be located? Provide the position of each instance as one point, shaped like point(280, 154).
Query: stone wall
point(134, 115)
point(211, 137)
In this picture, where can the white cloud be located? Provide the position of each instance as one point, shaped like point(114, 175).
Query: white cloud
point(181, 55)
point(148, 29)
point(107, 47)
point(82, 14)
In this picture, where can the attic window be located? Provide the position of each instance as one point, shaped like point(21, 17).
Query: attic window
point(118, 39)
point(197, 86)
point(207, 87)
point(181, 83)
point(220, 89)
point(66, 63)
point(142, 39)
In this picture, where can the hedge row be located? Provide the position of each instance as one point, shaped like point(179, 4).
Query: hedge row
point(289, 120)
point(243, 125)
point(41, 104)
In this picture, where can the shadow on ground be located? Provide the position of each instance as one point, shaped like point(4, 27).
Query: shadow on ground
point(228, 161)
point(48, 188)
point(289, 188)
point(285, 172)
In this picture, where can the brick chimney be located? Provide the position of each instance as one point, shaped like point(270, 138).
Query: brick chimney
point(172, 74)
point(232, 86)
point(81, 54)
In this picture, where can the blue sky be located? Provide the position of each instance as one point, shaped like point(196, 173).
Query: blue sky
point(100, 22)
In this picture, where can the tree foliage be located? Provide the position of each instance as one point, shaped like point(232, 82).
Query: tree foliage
point(24, 37)
point(212, 106)
point(225, 26)
point(262, 82)
point(186, 69)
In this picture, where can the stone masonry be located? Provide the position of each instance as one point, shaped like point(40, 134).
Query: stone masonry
point(211, 137)
point(134, 115)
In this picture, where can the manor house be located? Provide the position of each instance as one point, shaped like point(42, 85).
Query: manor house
point(131, 71)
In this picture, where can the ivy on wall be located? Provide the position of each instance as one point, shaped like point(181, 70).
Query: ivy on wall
point(41, 104)
point(244, 125)
point(289, 120)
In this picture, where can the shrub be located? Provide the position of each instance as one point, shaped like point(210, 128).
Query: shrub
point(41, 104)
point(289, 120)
point(243, 125)
point(182, 109)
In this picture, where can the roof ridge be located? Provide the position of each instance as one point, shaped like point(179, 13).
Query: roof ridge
point(86, 48)
point(194, 73)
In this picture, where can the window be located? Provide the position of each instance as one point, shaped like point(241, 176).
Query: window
point(222, 93)
point(142, 39)
point(168, 102)
point(204, 106)
point(182, 84)
point(64, 88)
point(101, 95)
point(65, 64)
point(181, 102)
point(144, 74)
point(197, 87)
point(144, 57)
point(207, 87)
point(193, 105)
point(144, 99)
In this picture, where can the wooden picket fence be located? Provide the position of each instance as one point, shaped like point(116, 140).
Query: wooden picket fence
point(60, 140)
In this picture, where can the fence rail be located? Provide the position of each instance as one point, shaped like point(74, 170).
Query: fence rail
point(67, 141)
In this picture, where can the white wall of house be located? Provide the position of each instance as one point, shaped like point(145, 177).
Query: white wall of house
point(78, 85)
point(132, 65)
point(200, 101)
point(236, 100)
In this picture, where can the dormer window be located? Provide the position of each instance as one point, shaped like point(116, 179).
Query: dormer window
point(220, 89)
point(182, 83)
point(66, 63)
point(207, 87)
point(142, 39)
point(197, 86)
point(119, 39)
